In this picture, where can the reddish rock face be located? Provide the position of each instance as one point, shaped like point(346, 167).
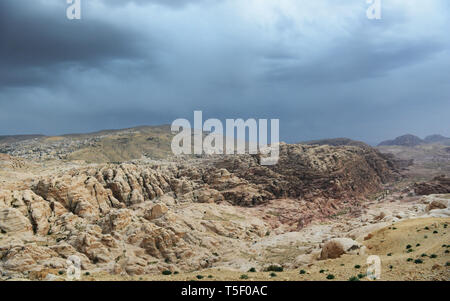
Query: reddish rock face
point(438, 185)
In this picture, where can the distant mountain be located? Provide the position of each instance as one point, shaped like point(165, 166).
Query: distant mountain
point(437, 139)
point(405, 140)
point(337, 142)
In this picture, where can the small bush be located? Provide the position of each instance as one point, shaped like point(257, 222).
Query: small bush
point(426, 228)
point(275, 268)
point(273, 274)
point(409, 251)
point(425, 236)
point(210, 276)
point(321, 271)
point(252, 270)
point(444, 246)
point(447, 263)
point(417, 245)
point(389, 254)
point(409, 259)
point(176, 273)
point(408, 246)
point(357, 266)
point(353, 278)
point(87, 274)
point(391, 267)
point(166, 272)
point(435, 232)
point(433, 256)
point(243, 276)
point(330, 276)
point(61, 272)
point(446, 251)
point(360, 276)
point(302, 272)
point(423, 255)
point(200, 276)
point(418, 261)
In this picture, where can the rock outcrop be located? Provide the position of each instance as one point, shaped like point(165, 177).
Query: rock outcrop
point(439, 185)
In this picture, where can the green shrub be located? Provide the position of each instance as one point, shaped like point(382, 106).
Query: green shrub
point(417, 245)
point(426, 228)
point(167, 272)
point(435, 232)
point(273, 274)
point(321, 271)
point(87, 274)
point(302, 272)
point(389, 254)
point(244, 276)
point(446, 251)
point(176, 273)
point(409, 251)
point(200, 276)
point(360, 276)
point(423, 255)
point(275, 268)
point(417, 261)
point(353, 278)
point(210, 276)
point(447, 263)
point(330, 276)
point(408, 246)
point(61, 272)
point(357, 266)
point(409, 259)
point(433, 256)
point(252, 270)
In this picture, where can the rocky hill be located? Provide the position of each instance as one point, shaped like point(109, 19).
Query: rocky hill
point(104, 146)
point(144, 216)
point(405, 140)
point(411, 141)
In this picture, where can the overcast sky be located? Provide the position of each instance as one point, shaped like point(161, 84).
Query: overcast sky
point(321, 66)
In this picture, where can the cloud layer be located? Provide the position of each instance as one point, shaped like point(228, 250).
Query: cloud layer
point(321, 67)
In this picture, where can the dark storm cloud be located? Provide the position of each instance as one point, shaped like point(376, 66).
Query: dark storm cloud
point(321, 67)
point(39, 43)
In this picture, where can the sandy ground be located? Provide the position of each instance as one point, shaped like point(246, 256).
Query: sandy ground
point(429, 239)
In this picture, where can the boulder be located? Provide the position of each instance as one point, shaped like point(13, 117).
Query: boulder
point(338, 246)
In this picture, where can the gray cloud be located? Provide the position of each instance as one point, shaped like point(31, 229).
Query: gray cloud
point(321, 67)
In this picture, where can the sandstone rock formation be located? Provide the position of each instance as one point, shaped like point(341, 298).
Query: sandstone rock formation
point(439, 185)
point(144, 217)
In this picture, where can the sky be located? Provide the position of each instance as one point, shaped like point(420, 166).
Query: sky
point(321, 67)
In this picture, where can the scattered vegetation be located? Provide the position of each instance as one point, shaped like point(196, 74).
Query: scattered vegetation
point(361, 276)
point(433, 256)
point(353, 278)
point(409, 259)
point(244, 276)
point(302, 272)
point(252, 270)
point(321, 271)
point(200, 277)
point(357, 266)
point(275, 268)
point(408, 246)
point(273, 274)
point(418, 261)
point(167, 272)
point(330, 276)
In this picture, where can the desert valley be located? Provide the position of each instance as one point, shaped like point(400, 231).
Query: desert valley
point(128, 209)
